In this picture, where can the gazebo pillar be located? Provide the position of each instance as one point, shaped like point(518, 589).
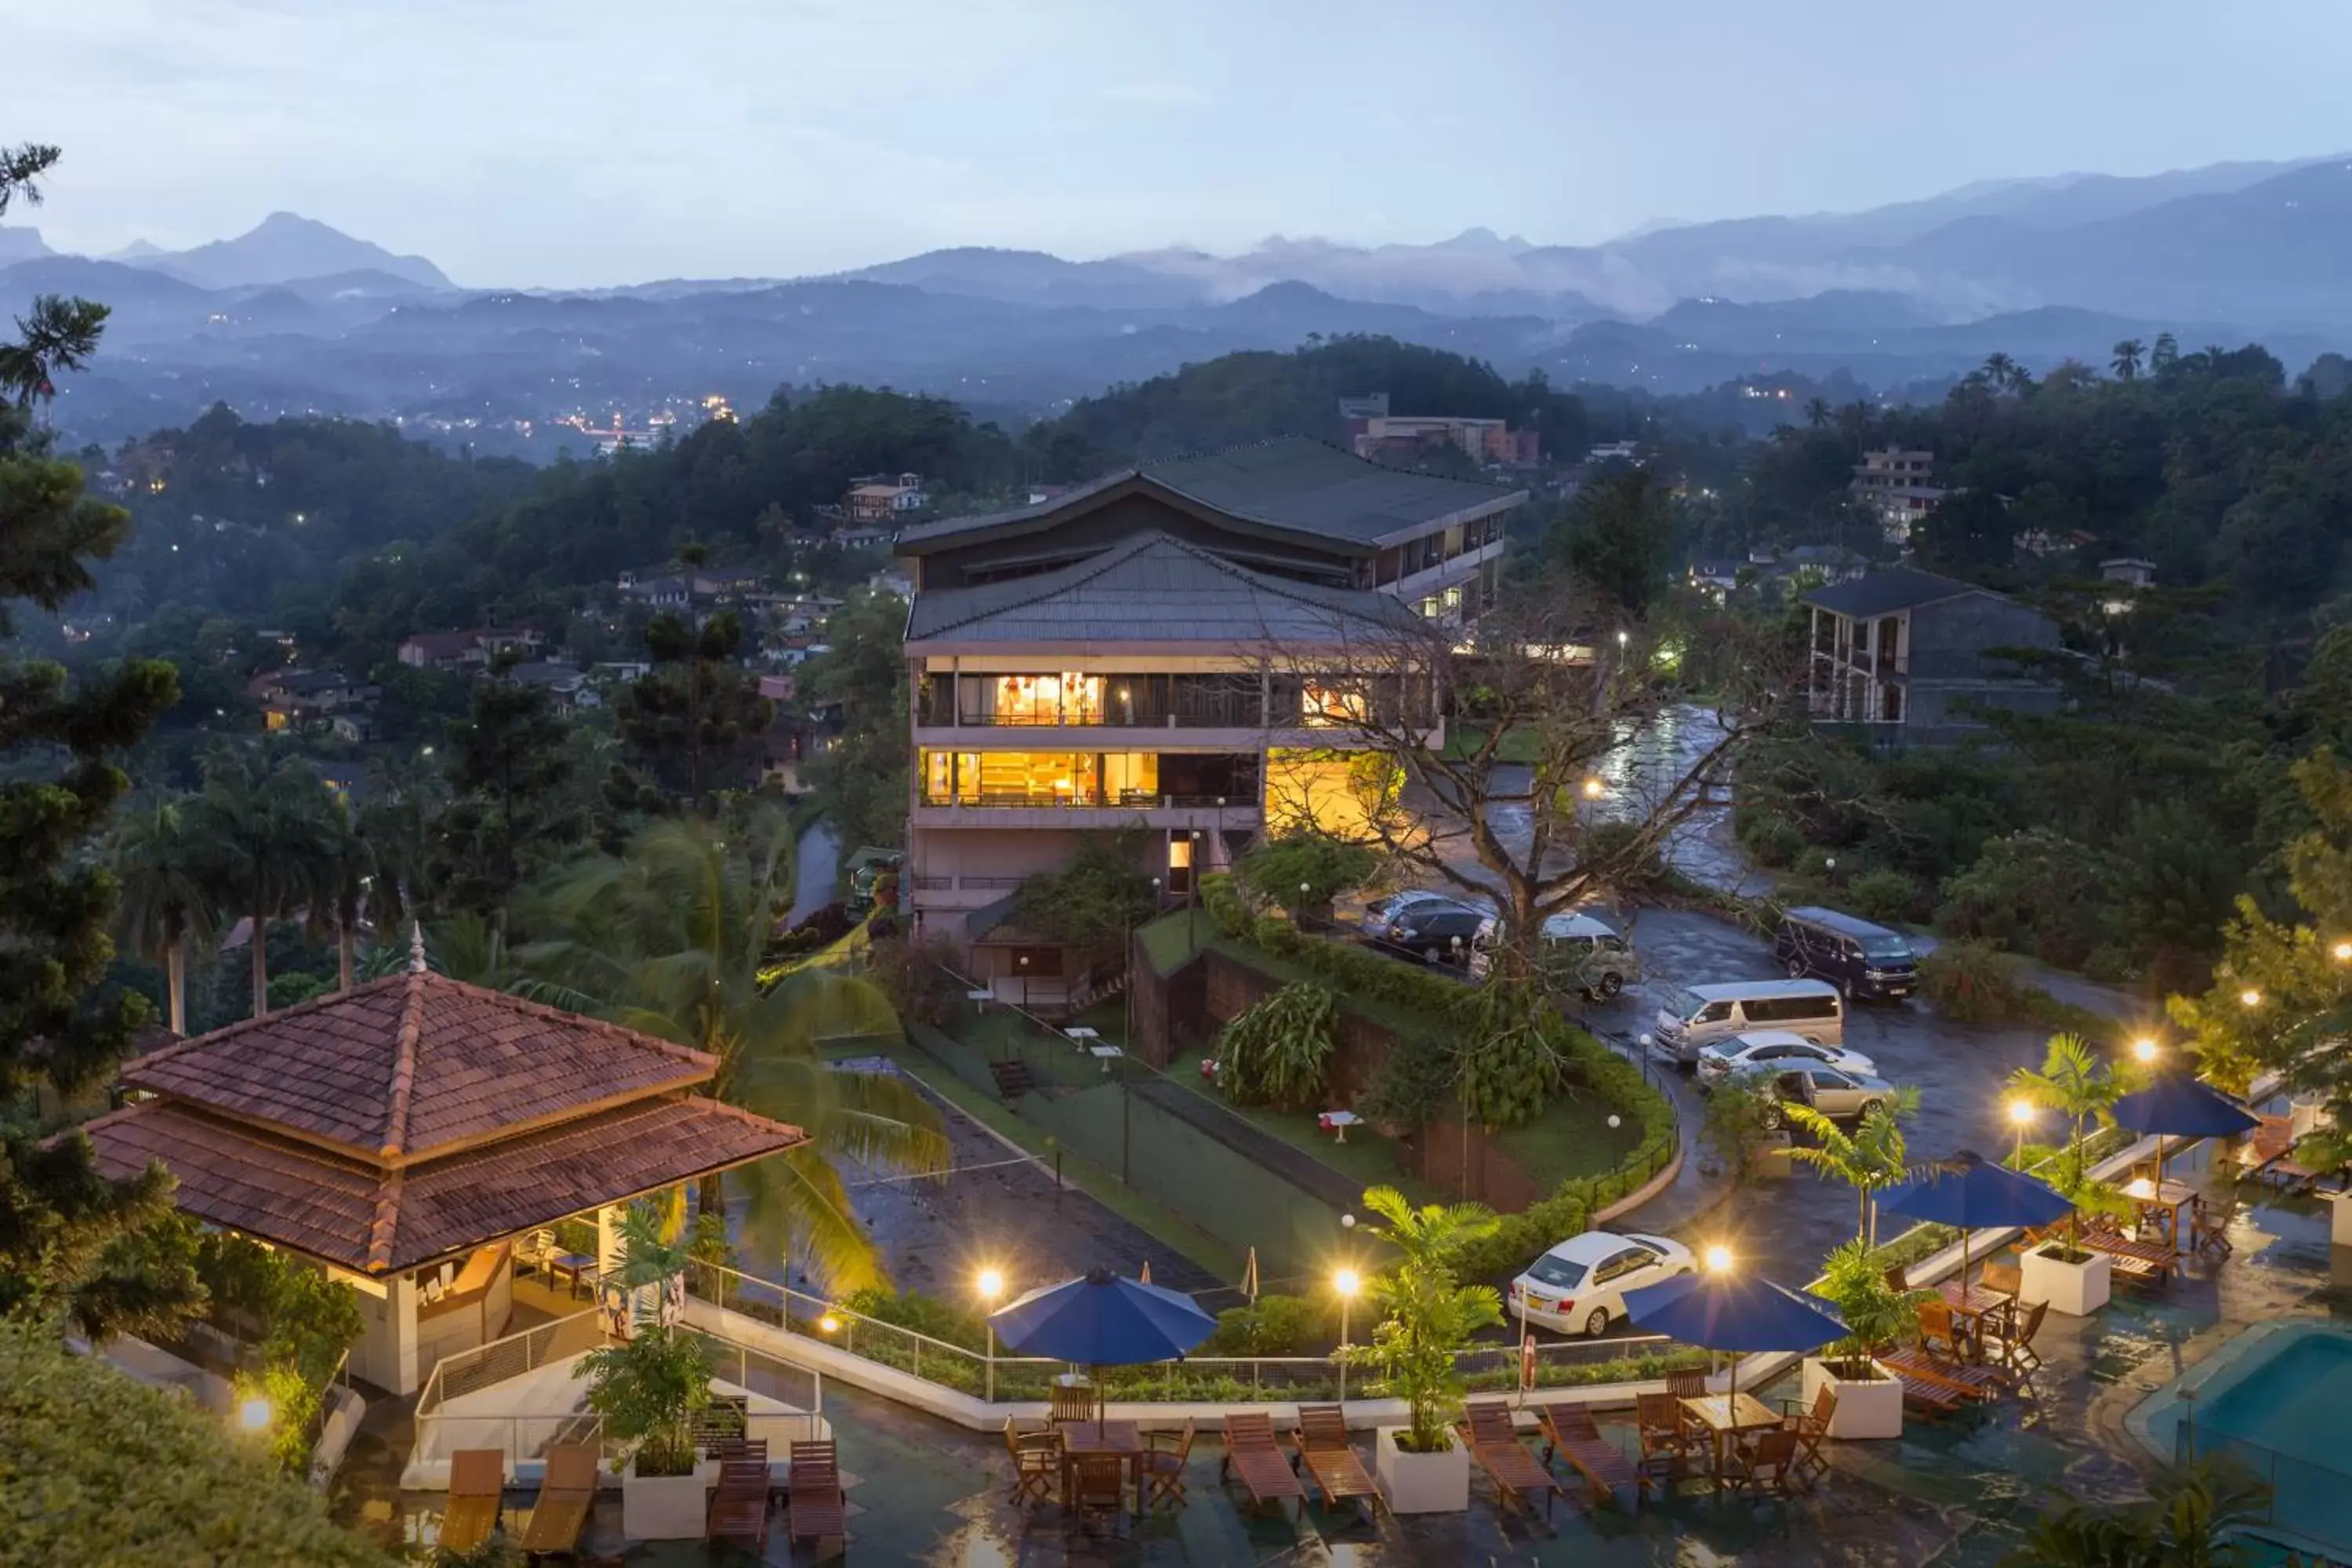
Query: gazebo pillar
point(612, 1252)
point(385, 1355)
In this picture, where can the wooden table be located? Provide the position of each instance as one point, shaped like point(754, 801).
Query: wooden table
point(1727, 1417)
point(1123, 1438)
point(1971, 1305)
point(576, 1269)
point(2168, 1203)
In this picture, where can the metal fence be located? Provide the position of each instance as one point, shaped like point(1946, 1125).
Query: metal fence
point(471, 1370)
point(2309, 1499)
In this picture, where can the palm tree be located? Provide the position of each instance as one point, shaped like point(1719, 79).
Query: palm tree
point(164, 902)
point(2001, 370)
point(2127, 357)
point(2078, 1086)
point(1870, 1159)
point(343, 889)
point(262, 832)
point(2194, 1517)
point(670, 938)
point(1817, 412)
point(1427, 1315)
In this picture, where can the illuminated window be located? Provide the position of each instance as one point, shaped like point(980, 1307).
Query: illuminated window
point(1332, 706)
point(1180, 854)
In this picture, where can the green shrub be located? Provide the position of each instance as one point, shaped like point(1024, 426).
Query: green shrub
point(1272, 1326)
point(2037, 891)
point(1882, 895)
point(1774, 842)
point(925, 1315)
point(1277, 1052)
point(1328, 866)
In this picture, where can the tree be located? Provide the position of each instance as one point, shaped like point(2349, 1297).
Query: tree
point(264, 829)
point(104, 1257)
point(2165, 356)
point(166, 905)
point(670, 938)
point(2075, 1083)
point(2127, 357)
point(1617, 540)
point(1426, 1315)
point(1324, 864)
point(2194, 1517)
point(691, 719)
point(649, 1388)
point(512, 772)
point(1277, 1052)
point(345, 877)
point(861, 678)
point(1093, 902)
point(1817, 413)
point(1869, 1158)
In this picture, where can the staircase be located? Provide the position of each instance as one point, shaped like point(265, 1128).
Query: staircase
point(1012, 1077)
point(1091, 989)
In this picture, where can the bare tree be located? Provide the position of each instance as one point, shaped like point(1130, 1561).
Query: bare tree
point(1546, 755)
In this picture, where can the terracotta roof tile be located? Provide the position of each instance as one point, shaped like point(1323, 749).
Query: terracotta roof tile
point(376, 1221)
point(400, 1067)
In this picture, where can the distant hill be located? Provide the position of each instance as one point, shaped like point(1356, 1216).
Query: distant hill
point(285, 247)
point(21, 245)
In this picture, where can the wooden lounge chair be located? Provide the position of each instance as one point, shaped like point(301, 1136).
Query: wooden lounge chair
point(738, 1509)
point(1036, 1462)
point(1494, 1442)
point(1250, 1449)
point(1569, 1431)
point(565, 1497)
point(1764, 1468)
point(1813, 1429)
point(1330, 1460)
point(1164, 1459)
point(1966, 1380)
point(477, 1482)
point(1926, 1394)
point(2270, 1154)
point(2137, 1262)
point(816, 1506)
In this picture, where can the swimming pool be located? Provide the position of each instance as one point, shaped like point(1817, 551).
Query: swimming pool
point(2277, 1399)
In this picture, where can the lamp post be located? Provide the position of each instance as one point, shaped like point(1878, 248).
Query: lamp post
point(1305, 889)
point(991, 1285)
point(1022, 963)
point(254, 1414)
point(1345, 1284)
point(2021, 1113)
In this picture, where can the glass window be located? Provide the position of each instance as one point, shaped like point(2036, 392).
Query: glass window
point(1333, 707)
point(939, 777)
point(1716, 1012)
point(1131, 778)
point(1557, 1272)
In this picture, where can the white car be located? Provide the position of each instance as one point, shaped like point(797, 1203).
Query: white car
point(1741, 1052)
point(1578, 1287)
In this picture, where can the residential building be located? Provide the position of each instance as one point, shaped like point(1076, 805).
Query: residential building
point(1485, 440)
point(884, 500)
point(1616, 452)
point(454, 651)
point(1155, 622)
point(1718, 579)
point(566, 685)
point(860, 536)
point(294, 699)
point(1897, 483)
point(1907, 652)
point(663, 593)
point(1366, 405)
point(2131, 575)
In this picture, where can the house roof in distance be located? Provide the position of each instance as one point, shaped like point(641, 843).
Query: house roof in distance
point(1884, 593)
point(1292, 485)
point(1153, 589)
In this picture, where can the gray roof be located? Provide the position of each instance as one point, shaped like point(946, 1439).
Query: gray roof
point(1291, 484)
point(1884, 593)
point(1153, 589)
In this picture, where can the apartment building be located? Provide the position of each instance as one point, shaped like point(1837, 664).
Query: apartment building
point(1909, 654)
point(1899, 484)
point(1139, 651)
point(1485, 440)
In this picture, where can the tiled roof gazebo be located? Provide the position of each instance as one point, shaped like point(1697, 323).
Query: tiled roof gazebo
point(415, 1125)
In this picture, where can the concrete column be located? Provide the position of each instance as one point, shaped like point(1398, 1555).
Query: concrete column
point(392, 1341)
point(611, 1254)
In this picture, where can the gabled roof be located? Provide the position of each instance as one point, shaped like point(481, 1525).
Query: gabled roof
point(1153, 589)
point(1884, 593)
point(401, 1067)
point(1290, 485)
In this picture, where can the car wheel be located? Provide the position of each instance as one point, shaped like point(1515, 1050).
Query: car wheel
point(1796, 969)
point(1610, 985)
point(1597, 1323)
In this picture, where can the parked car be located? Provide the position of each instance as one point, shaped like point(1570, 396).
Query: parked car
point(1859, 958)
point(1764, 1048)
point(1840, 1096)
point(1588, 952)
point(1578, 1287)
point(1388, 907)
point(1691, 1016)
point(1432, 930)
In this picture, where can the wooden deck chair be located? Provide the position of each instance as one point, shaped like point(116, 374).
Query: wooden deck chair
point(815, 1503)
point(1097, 1484)
point(1036, 1462)
point(738, 1508)
point(1766, 1466)
point(1689, 1383)
point(1252, 1453)
point(1494, 1441)
point(566, 1495)
point(2211, 1227)
point(1812, 1427)
point(1331, 1460)
point(1569, 1431)
point(1667, 1441)
point(1962, 1380)
point(2015, 1342)
point(1924, 1394)
point(1076, 1402)
point(1165, 1454)
point(477, 1482)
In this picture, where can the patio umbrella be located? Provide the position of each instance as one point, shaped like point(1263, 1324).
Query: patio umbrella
point(1722, 1311)
point(2180, 1107)
point(1102, 1321)
point(1975, 1194)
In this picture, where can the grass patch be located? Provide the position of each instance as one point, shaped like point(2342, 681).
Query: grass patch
point(1521, 746)
point(1569, 1139)
point(1103, 1187)
point(1366, 1159)
point(1174, 937)
point(1289, 972)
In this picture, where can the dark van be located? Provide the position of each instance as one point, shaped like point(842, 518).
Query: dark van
point(1859, 959)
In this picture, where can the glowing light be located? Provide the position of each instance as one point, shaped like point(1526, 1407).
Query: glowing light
point(992, 1284)
point(2020, 1111)
point(1346, 1283)
point(1593, 789)
point(2146, 1049)
point(253, 1415)
point(1719, 1260)
point(2343, 952)
point(828, 1324)
point(2250, 997)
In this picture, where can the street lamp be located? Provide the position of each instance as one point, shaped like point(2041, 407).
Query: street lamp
point(1345, 1283)
point(2144, 1050)
point(2250, 997)
point(1718, 1260)
point(254, 1414)
point(2021, 1113)
point(1593, 789)
point(991, 1285)
point(2343, 952)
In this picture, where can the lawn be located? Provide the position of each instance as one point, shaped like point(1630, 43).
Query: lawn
point(1171, 938)
point(1366, 1159)
point(1520, 746)
point(1571, 1139)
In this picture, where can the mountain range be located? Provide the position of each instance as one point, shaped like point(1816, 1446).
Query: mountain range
point(294, 315)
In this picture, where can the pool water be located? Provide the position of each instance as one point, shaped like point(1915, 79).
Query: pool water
point(2297, 1401)
point(2278, 1400)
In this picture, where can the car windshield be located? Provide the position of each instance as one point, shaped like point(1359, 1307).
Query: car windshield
point(1887, 947)
point(1557, 1272)
point(1681, 1002)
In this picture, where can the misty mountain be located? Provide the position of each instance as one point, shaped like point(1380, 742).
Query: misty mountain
point(285, 247)
point(1032, 277)
point(137, 250)
point(21, 245)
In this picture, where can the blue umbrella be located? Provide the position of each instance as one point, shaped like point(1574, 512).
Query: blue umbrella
point(2180, 1107)
point(1102, 1321)
point(1974, 1194)
point(1721, 1310)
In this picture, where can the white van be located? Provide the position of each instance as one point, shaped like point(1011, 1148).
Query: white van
point(1583, 950)
point(1690, 1017)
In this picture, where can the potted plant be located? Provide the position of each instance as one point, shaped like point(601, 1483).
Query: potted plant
point(1869, 1402)
point(649, 1389)
point(2078, 1086)
point(1427, 1317)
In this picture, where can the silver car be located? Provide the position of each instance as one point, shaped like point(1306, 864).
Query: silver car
point(1840, 1096)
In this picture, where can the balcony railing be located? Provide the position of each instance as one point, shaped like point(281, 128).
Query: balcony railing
point(1115, 800)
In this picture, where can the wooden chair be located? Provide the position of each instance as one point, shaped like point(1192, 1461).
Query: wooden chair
point(566, 1496)
point(1690, 1383)
point(1965, 1380)
point(1036, 1462)
point(1251, 1450)
point(477, 1482)
point(2015, 1342)
point(1076, 1402)
point(738, 1508)
point(1766, 1466)
point(1926, 1394)
point(1569, 1431)
point(1097, 1484)
point(1330, 1461)
point(2006, 1278)
point(1165, 1454)
point(2143, 1263)
point(2211, 1226)
point(1937, 1330)
point(817, 1508)
point(1813, 1429)
point(1667, 1441)
point(1493, 1440)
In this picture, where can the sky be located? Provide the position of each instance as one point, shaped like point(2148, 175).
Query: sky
point(522, 143)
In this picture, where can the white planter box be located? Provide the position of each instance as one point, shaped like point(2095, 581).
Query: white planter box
point(2077, 1290)
point(1421, 1483)
point(667, 1507)
point(2339, 1223)
point(1864, 1410)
